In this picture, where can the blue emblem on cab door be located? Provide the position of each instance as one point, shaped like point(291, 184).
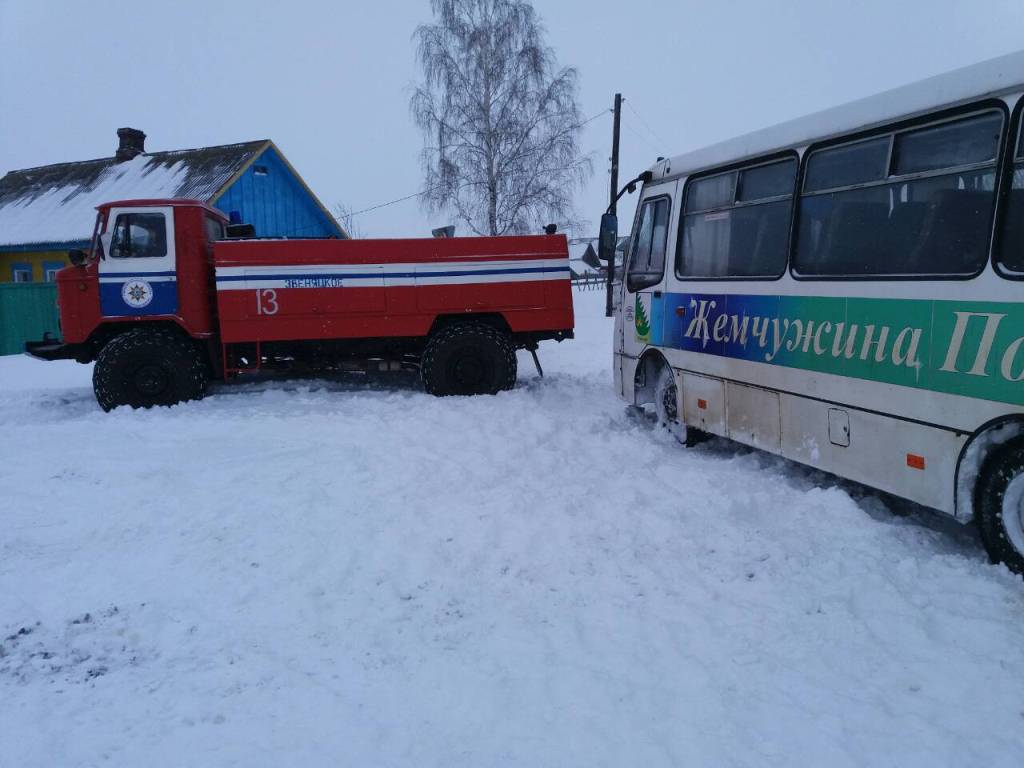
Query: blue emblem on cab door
point(137, 294)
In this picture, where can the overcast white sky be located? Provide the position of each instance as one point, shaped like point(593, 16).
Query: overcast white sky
point(329, 81)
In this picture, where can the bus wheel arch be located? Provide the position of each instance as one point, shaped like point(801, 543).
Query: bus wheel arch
point(655, 382)
point(645, 375)
point(973, 456)
point(999, 504)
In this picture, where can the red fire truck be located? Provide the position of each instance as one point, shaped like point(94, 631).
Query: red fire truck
point(167, 299)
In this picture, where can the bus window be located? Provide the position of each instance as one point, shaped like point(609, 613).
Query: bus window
point(949, 145)
point(711, 193)
point(1011, 257)
point(647, 261)
point(736, 224)
point(857, 163)
point(930, 214)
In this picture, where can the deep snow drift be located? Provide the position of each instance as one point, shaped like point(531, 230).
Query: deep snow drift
point(331, 573)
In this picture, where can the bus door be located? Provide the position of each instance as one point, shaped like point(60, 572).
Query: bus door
point(642, 297)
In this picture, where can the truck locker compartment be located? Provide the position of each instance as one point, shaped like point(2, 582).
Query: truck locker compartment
point(279, 290)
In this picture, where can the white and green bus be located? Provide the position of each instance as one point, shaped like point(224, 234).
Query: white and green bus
point(847, 290)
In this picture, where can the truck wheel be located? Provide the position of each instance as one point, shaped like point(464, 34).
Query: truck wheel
point(468, 358)
point(999, 505)
point(146, 367)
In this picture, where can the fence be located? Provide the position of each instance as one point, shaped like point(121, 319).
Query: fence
point(27, 311)
point(592, 282)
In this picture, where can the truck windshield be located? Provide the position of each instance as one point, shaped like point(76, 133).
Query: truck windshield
point(139, 236)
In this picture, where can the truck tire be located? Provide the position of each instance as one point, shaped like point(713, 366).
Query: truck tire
point(999, 505)
point(468, 358)
point(146, 367)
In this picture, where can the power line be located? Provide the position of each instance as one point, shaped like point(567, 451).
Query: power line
point(402, 199)
point(642, 138)
point(647, 126)
point(593, 118)
point(392, 202)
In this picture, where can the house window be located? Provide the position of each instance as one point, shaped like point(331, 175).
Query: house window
point(21, 273)
point(260, 170)
point(50, 270)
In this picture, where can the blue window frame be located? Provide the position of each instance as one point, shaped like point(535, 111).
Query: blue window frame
point(50, 269)
point(21, 272)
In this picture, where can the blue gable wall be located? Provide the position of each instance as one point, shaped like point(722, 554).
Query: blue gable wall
point(269, 197)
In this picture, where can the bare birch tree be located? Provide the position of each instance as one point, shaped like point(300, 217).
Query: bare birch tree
point(500, 120)
point(345, 216)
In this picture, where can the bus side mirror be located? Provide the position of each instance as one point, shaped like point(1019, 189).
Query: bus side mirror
point(608, 238)
point(76, 256)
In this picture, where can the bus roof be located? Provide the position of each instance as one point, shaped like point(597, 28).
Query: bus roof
point(994, 77)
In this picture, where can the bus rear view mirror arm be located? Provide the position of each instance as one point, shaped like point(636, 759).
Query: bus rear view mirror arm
point(630, 187)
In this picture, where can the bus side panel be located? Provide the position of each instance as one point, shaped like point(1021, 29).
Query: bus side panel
point(625, 376)
point(912, 460)
point(617, 373)
point(754, 416)
point(703, 402)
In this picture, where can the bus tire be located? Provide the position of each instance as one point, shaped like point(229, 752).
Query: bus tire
point(468, 358)
point(145, 367)
point(666, 404)
point(999, 505)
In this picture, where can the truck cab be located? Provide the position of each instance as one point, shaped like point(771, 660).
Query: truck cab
point(149, 265)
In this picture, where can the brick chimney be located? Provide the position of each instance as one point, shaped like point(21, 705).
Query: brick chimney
point(132, 143)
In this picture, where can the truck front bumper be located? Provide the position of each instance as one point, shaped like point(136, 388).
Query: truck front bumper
point(52, 349)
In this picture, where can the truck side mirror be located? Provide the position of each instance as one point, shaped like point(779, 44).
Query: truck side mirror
point(76, 256)
point(608, 238)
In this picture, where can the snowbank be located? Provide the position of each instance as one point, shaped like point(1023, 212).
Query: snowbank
point(350, 573)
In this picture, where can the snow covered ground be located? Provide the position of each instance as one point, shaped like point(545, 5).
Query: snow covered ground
point(332, 573)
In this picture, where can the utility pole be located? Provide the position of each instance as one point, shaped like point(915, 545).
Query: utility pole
point(612, 206)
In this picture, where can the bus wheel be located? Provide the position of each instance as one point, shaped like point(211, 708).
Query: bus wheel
point(666, 403)
point(469, 358)
point(146, 367)
point(1000, 505)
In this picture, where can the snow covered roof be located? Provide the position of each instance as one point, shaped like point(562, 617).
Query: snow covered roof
point(990, 78)
point(55, 204)
point(584, 250)
point(583, 258)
